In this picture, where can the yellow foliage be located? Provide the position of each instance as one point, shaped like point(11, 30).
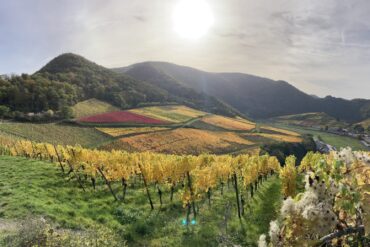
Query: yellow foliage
point(288, 176)
point(171, 113)
point(184, 140)
point(229, 123)
point(282, 138)
point(126, 131)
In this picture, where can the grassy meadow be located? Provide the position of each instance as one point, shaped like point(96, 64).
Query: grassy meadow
point(37, 188)
point(55, 133)
point(335, 140)
point(91, 107)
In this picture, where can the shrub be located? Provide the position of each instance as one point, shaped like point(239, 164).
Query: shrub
point(38, 232)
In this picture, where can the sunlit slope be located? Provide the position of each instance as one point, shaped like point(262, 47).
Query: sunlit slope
point(365, 123)
point(54, 133)
point(171, 113)
point(312, 119)
point(183, 141)
point(229, 123)
point(91, 107)
point(116, 132)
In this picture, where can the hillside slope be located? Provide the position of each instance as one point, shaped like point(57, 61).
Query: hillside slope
point(311, 119)
point(122, 90)
point(91, 107)
point(254, 96)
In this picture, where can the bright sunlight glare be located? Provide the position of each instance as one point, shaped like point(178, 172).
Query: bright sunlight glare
point(192, 18)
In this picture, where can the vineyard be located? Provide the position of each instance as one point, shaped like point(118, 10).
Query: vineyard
point(54, 133)
point(92, 107)
point(326, 196)
point(174, 113)
point(182, 141)
point(228, 123)
point(116, 132)
point(120, 117)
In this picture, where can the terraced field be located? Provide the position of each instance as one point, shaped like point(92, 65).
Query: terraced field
point(273, 130)
point(229, 123)
point(115, 132)
point(167, 129)
point(365, 123)
point(55, 133)
point(182, 141)
point(171, 113)
point(318, 119)
point(120, 117)
point(92, 107)
point(280, 137)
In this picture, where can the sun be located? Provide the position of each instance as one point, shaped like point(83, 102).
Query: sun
point(192, 18)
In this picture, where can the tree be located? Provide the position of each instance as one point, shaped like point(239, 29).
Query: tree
point(359, 128)
point(66, 112)
point(49, 113)
point(4, 111)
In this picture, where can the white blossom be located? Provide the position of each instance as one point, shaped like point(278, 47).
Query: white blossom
point(274, 232)
point(308, 198)
point(262, 241)
point(288, 207)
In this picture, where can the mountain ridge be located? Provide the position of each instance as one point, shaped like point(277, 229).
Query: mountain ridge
point(68, 79)
point(256, 97)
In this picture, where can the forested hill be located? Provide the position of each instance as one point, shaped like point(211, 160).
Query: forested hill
point(70, 78)
point(254, 96)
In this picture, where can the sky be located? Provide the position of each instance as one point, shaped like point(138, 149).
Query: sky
point(320, 47)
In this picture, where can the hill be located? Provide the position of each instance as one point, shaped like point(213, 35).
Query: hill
point(254, 96)
point(69, 79)
point(121, 90)
point(365, 124)
point(91, 107)
point(54, 133)
point(311, 119)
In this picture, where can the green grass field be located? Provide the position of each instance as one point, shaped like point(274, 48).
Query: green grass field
point(36, 188)
point(332, 139)
point(55, 133)
point(91, 107)
point(171, 113)
point(312, 119)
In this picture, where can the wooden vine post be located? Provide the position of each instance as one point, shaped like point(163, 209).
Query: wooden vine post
point(146, 188)
point(108, 184)
point(222, 188)
point(237, 193)
point(171, 193)
point(124, 187)
point(159, 194)
point(59, 160)
point(191, 194)
point(47, 151)
point(209, 196)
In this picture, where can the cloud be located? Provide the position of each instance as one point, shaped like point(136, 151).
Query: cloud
point(322, 47)
point(140, 18)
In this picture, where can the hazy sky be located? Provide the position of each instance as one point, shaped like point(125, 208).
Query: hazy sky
point(321, 47)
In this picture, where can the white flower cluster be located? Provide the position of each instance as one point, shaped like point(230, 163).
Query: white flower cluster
point(274, 232)
point(349, 157)
point(323, 191)
point(315, 205)
point(346, 155)
point(362, 156)
point(262, 241)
